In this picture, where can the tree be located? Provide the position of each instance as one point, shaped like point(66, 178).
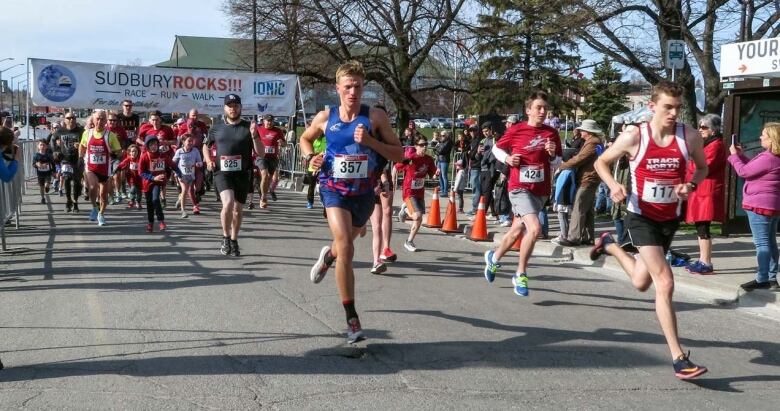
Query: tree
point(634, 33)
point(526, 44)
point(392, 38)
point(607, 94)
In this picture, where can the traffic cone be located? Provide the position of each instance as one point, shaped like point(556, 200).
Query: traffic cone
point(479, 227)
point(516, 245)
point(434, 213)
point(451, 217)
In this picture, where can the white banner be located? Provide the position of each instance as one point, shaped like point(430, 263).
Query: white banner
point(751, 58)
point(88, 85)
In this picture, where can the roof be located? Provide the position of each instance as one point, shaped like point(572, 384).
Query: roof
point(213, 53)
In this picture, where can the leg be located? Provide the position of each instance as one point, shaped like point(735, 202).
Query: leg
point(416, 224)
point(340, 223)
point(545, 222)
point(310, 192)
point(377, 217)
point(532, 231)
point(103, 187)
point(775, 253)
point(563, 220)
point(157, 202)
point(92, 187)
point(226, 215)
point(237, 219)
point(387, 219)
point(663, 281)
point(515, 230)
point(476, 189)
point(265, 184)
point(761, 228)
point(185, 190)
point(150, 206)
point(705, 242)
point(583, 203)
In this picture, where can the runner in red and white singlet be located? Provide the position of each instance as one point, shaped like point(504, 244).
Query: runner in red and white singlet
point(97, 147)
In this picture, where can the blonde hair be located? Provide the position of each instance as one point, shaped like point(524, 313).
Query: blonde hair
point(350, 68)
point(773, 131)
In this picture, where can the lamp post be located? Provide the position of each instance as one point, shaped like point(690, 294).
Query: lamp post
point(1, 81)
point(11, 82)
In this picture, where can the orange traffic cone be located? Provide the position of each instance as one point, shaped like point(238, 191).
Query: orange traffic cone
point(434, 214)
point(479, 227)
point(451, 217)
point(516, 245)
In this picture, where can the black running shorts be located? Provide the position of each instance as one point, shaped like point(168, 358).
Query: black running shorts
point(238, 181)
point(646, 232)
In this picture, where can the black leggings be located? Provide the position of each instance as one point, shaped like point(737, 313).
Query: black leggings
point(72, 187)
point(313, 180)
point(703, 230)
point(153, 204)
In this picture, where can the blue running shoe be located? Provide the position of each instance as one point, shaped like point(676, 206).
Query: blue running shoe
point(309, 205)
point(699, 267)
point(93, 214)
point(685, 369)
point(490, 266)
point(521, 284)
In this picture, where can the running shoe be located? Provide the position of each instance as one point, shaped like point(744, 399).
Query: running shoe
point(138, 205)
point(162, 226)
point(234, 251)
point(149, 228)
point(43, 200)
point(320, 268)
point(273, 196)
point(490, 266)
point(520, 282)
point(178, 203)
point(184, 214)
point(354, 331)
point(93, 214)
point(101, 220)
point(402, 214)
point(164, 203)
point(196, 209)
point(263, 204)
point(131, 204)
point(470, 213)
point(699, 267)
point(388, 256)
point(68, 209)
point(505, 223)
point(409, 245)
point(309, 205)
point(225, 249)
point(76, 208)
point(755, 285)
point(251, 206)
point(684, 369)
point(62, 193)
point(86, 197)
point(600, 248)
point(378, 268)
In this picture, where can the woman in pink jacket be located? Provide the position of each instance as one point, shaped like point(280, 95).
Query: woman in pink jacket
point(761, 201)
point(706, 203)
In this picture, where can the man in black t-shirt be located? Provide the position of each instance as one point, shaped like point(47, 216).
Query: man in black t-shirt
point(128, 121)
point(66, 147)
point(234, 139)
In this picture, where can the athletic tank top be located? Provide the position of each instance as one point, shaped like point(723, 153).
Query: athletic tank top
point(655, 171)
point(348, 168)
point(98, 153)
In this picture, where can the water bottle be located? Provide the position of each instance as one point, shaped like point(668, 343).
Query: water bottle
point(669, 258)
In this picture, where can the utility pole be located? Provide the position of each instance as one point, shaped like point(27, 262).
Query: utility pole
point(254, 36)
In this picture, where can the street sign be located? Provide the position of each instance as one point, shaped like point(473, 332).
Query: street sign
point(757, 58)
point(675, 54)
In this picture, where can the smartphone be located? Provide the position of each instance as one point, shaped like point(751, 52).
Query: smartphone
point(733, 139)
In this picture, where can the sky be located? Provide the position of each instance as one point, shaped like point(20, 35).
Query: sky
point(111, 32)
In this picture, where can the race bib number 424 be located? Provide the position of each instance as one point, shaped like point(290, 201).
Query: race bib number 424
point(230, 163)
point(531, 174)
point(660, 191)
point(350, 166)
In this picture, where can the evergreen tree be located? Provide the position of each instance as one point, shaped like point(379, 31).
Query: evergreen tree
point(607, 94)
point(525, 43)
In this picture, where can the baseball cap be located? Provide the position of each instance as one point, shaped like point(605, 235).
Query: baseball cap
point(268, 117)
point(232, 98)
point(511, 119)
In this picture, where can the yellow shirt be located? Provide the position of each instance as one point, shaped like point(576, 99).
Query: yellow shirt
point(113, 140)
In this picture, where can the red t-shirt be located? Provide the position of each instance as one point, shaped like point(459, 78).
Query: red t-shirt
point(166, 136)
point(270, 138)
point(130, 165)
point(154, 164)
point(121, 134)
point(414, 175)
point(198, 129)
point(533, 173)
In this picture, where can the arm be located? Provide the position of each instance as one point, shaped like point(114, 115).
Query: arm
point(587, 151)
point(143, 169)
point(390, 146)
point(748, 169)
point(8, 171)
point(625, 144)
point(316, 129)
point(697, 153)
point(257, 144)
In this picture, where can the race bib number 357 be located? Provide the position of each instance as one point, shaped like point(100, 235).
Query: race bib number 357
point(350, 166)
point(230, 163)
point(660, 191)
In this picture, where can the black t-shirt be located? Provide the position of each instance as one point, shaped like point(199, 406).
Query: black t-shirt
point(45, 159)
point(68, 143)
point(129, 123)
point(232, 140)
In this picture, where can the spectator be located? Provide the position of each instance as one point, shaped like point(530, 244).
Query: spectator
point(582, 226)
point(761, 202)
point(291, 137)
point(488, 174)
point(443, 153)
point(706, 203)
point(474, 156)
point(11, 156)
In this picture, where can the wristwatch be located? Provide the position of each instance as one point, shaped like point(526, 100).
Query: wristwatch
point(693, 185)
point(309, 157)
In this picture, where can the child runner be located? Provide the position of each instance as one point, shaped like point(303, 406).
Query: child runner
point(460, 183)
point(132, 173)
point(154, 168)
point(416, 168)
point(188, 161)
point(44, 166)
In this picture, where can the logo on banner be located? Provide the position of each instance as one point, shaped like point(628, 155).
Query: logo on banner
point(57, 83)
point(262, 107)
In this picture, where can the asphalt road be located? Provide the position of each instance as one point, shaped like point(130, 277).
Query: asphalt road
point(115, 318)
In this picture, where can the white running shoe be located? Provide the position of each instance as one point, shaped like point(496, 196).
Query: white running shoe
point(409, 245)
point(320, 268)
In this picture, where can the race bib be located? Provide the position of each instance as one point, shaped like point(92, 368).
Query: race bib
point(97, 158)
point(187, 169)
point(43, 167)
point(531, 174)
point(158, 165)
point(130, 135)
point(270, 150)
point(134, 166)
point(350, 166)
point(67, 168)
point(418, 183)
point(230, 163)
point(660, 191)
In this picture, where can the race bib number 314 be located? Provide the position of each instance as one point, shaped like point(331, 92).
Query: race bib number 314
point(350, 166)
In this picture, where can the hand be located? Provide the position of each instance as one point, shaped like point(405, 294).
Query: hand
point(550, 147)
point(480, 149)
point(735, 149)
point(198, 164)
point(210, 165)
point(316, 161)
point(361, 134)
point(437, 173)
point(682, 191)
point(618, 193)
point(513, 160)
point(253, 128)
point(159, 178)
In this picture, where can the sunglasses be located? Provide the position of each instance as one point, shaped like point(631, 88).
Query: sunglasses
point(127, 105)
point(112, 120)
point(69, 118)
point(703, 128)
point(421, 144)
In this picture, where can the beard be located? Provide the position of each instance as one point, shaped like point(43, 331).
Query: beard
point(235, 117)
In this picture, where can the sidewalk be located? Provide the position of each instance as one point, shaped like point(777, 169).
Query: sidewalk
point(734, 260)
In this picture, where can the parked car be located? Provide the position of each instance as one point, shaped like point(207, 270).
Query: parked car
point(441, 122)
point(422, 123)
point(460, 124)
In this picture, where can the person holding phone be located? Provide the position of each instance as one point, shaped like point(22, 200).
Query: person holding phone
point(761, 202)
point(11, 155)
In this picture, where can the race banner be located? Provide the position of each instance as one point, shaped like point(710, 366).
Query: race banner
point(88, 85)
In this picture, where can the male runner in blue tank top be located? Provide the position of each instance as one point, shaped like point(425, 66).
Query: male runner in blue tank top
point(359, 142)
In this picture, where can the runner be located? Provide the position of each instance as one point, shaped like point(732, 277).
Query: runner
point(117, 180)
point(71, 166)
point(130, 166)
point(234, 140)
point(43, 162)
point(268, 162)
point(167, 143)
point(129, 122)
point(416, 167)
point(358, 140)
point(381, 218)
point(658, 151)
point(198, 130)
point(154, 168)
point(527, 148)
point(189, 161)
point(98, 146)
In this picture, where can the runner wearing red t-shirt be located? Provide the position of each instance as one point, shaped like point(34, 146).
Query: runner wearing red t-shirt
point(273, 140)
point(130, 167)
point(167, 143)
point(416, 167)
point(118, 175)
point(527, 148)
point(658, 154)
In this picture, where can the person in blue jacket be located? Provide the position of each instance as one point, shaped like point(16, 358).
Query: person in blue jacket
point(11, 155)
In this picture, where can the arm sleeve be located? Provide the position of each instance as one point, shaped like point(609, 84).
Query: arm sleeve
point(499, 153)
point(749, 169)
point(7, 171)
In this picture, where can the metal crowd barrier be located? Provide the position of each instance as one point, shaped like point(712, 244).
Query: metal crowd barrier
point(289, 161)
point(11, 198)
